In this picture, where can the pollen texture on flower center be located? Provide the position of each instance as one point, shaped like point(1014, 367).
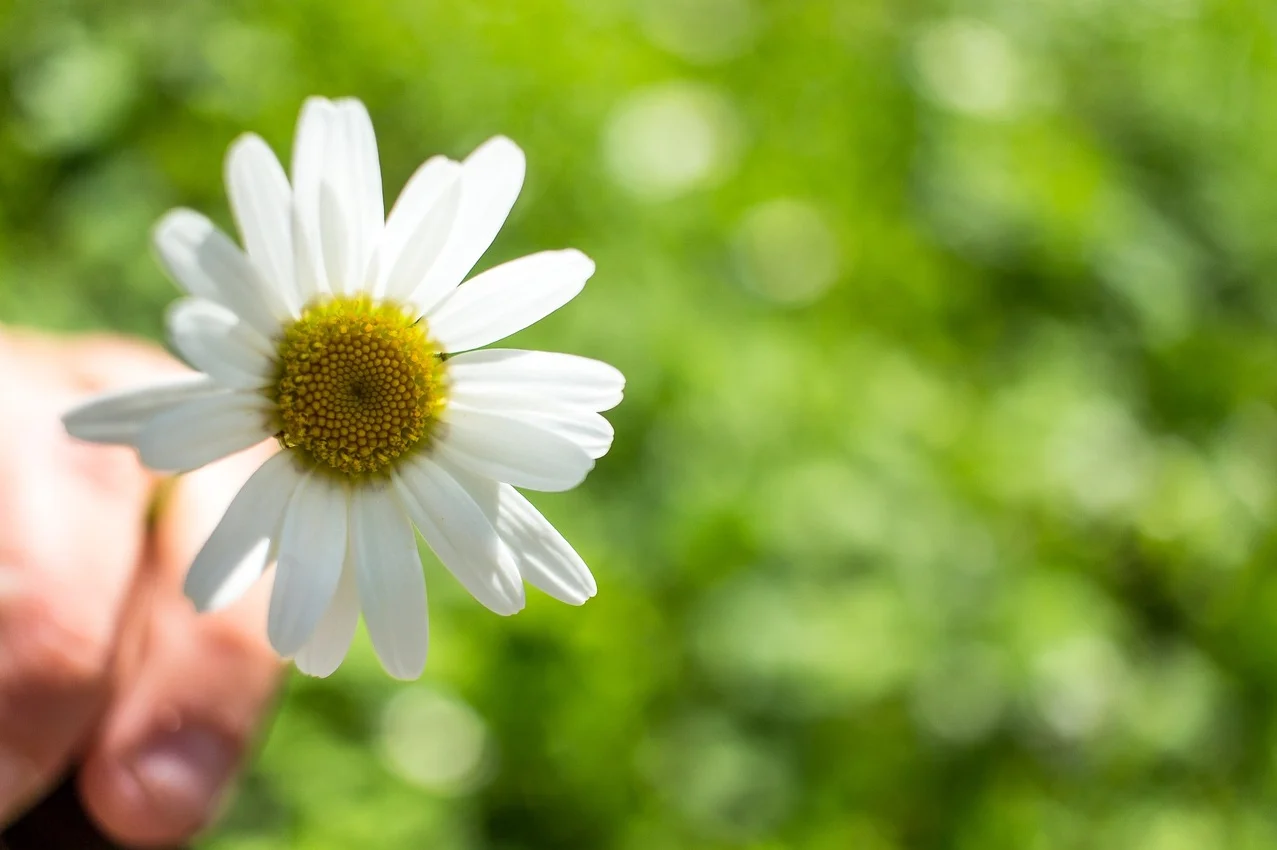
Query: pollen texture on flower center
point(359, 385)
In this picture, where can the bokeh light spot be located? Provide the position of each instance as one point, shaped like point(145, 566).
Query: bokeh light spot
point(700, 31)
point(664, 141)
point(968, 66)
point(787, 251)
point(435, 741)
point(75, 96)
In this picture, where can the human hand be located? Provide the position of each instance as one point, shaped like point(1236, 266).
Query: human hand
point(103, 661)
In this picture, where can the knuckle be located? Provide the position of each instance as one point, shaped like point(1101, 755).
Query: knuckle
point(54, 651)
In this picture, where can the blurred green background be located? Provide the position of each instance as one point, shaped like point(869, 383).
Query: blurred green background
point(940, 513)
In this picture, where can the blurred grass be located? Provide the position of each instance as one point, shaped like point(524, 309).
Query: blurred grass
point(940, 509)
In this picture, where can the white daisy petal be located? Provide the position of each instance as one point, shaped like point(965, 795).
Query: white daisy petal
point(203, 430)
point(261, 201)
point(118, 417)
point(327, 647)
point(350, 205)
point(510, 449)
point(207, 264)
point(423, 249)
point(508, 298)
point(418, 230)
point(460, 534)
point(362, 197)
point(490, 184)
point(582, 427)
point(314, 128)
point(590, 431)
point(312, 548)
point(335, 238)
point(308, 266)
point(418, 196)
point(392, 586)
point(337, 233)
point(213, 340)
point(236, 552)
point(336, 508)
point(544, 558)
point(493, 374)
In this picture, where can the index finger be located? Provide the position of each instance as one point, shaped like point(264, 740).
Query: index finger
point(72, 522)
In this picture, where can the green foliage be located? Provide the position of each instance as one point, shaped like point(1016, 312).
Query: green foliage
point(939, 514)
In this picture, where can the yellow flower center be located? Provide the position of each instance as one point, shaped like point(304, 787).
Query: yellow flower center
point(359, 385)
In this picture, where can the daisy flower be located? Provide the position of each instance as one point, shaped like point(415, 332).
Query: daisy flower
point(348, 336)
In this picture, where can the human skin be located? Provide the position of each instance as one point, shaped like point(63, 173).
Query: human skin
point(104, 663)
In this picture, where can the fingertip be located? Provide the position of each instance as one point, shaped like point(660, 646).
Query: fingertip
point(170, 748)
point(163, 792)
point(114, 799)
